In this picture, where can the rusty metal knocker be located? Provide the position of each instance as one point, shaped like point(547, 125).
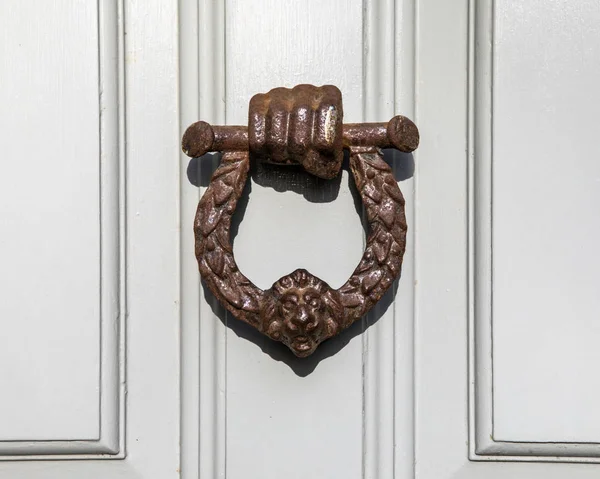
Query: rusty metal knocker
point(302, 125)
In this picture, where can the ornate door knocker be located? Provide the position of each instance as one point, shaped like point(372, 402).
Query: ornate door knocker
point(302, 125)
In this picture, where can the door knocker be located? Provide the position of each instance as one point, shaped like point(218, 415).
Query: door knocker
point(302, 125)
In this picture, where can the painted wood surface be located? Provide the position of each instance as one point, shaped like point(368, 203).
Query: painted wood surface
point(90, 248)
point(504, 119)
point(121, 365)
point(60, 250)
point(535, 284)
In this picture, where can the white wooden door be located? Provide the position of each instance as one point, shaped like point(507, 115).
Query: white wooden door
point(480, 363)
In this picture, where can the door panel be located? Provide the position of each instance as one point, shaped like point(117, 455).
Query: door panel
point(529, 299)
point(546, 184)
point(60, 205)
point(89, 248)
point(537, 171)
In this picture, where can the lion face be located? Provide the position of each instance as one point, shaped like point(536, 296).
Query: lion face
point(304, 312)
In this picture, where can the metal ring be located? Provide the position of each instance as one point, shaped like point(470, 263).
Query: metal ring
point(300, 309)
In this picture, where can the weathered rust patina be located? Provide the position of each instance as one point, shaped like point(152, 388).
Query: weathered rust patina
point(303, 126)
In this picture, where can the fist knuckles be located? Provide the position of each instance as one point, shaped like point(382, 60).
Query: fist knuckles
point(298, 125)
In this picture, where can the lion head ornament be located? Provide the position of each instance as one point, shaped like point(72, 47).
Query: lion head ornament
point(302, 312)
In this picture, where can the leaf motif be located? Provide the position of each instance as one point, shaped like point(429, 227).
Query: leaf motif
point(230, 294)
point(225, 169)
point(222, 235)
point(382, 236)
point(398, 232)
point(357, 168)
point(208, 216)
point(371, 280)
point(222, 193)
point(387, 212)
point(215, 261)
point(386, 281)
point(372, 211)
point(365, 263)
point(351, 300)
point(372, 193)
point(381, 250)
point(397, 248)
point(250, 304)
point(394, 264)
point(394, 192)
point(376, 161)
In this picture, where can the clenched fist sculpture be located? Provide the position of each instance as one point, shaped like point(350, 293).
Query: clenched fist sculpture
point(299, 125)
